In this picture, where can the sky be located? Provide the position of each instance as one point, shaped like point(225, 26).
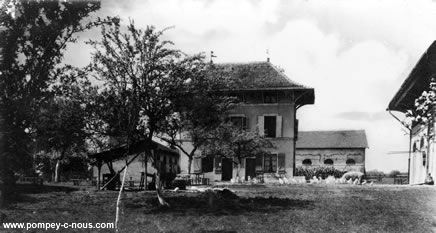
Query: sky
point(355, 53)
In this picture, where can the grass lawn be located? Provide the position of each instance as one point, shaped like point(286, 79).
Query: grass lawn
point(294, 208)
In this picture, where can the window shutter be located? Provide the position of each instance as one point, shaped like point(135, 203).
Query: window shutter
point(259, 162)
point(260, 125)
point(279, 127)
point(245, 123)
point(281, 161)
point(197, 165)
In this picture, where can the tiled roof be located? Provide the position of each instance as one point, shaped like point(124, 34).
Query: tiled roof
point(332, 139)
point(257, 75)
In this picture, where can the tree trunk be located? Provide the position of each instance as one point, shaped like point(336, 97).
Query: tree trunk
point(117, 213)
point(158, 185)
point(56, 176)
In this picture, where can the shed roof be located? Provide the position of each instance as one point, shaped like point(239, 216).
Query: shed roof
point(332, 139)
point(417, 81)
point(118, 153)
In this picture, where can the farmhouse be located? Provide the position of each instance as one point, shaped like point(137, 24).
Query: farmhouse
point(344, 150)
point(422, 159)
point(115, 160)
point(269, 102)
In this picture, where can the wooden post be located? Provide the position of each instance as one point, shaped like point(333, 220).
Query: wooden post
point(99, 163)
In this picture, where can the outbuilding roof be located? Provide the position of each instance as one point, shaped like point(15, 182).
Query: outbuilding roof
point(120, 152)
point(331, 139)
point(417, 81)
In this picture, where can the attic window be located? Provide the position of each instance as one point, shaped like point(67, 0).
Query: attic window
point(270, 97)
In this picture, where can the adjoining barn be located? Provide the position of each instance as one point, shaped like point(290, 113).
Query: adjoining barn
point(422, 160)
point(106, 163)
point(343, 150)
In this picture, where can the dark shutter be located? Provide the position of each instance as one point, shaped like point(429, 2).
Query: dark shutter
point(259, 162)
point(197, 165)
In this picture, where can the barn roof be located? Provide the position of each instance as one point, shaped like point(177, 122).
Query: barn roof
point(417, 81)
point(332, 139)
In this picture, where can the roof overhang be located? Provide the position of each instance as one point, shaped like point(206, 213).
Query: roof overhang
point(136, 148)
point(417, 81)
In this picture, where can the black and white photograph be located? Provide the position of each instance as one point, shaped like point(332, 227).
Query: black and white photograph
point(217, 116)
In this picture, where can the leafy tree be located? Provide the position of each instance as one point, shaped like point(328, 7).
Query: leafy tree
point(34, 37)
point(202, 107)
point(394, 173)
point(141, 77)
point(60, 125)
point(423, 112)
point(230, 141)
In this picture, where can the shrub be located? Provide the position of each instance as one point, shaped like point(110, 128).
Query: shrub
point(394, 173)
point(320, 172)
point(375, 173)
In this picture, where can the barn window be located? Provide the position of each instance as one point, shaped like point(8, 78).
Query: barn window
point(424, 155)
point(350, 162)
point(307, 162)
point(328, 162)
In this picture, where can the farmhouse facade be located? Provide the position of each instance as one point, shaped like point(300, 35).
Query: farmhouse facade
point(343, 150)
point(422, 160)
point(269, 101)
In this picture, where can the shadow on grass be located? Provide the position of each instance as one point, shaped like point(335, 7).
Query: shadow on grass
point(220, 205)
point(20, 192)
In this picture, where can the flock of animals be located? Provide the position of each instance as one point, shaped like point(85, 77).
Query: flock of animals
point(352, 177)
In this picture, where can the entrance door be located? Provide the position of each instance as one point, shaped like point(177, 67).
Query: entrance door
point(250, 168)
point(227, 169)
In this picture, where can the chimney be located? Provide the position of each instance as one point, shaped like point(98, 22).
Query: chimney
point(267, 59)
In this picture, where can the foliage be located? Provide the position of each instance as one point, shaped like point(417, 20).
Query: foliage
point(320, 172)
point(201, 107)
point(34, 37)
point(375, 173)
point(424, 106)
point(142, 76)
point(230, 141)
point(394, 173)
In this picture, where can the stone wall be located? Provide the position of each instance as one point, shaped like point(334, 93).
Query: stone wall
point(338, 156)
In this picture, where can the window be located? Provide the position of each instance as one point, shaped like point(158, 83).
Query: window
point(270, 126)
point(207, 164)
point(270, 163)
point(307, 162)
point(350, 162)
point(328, 162)
point(239, 121)
point(270, 97)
